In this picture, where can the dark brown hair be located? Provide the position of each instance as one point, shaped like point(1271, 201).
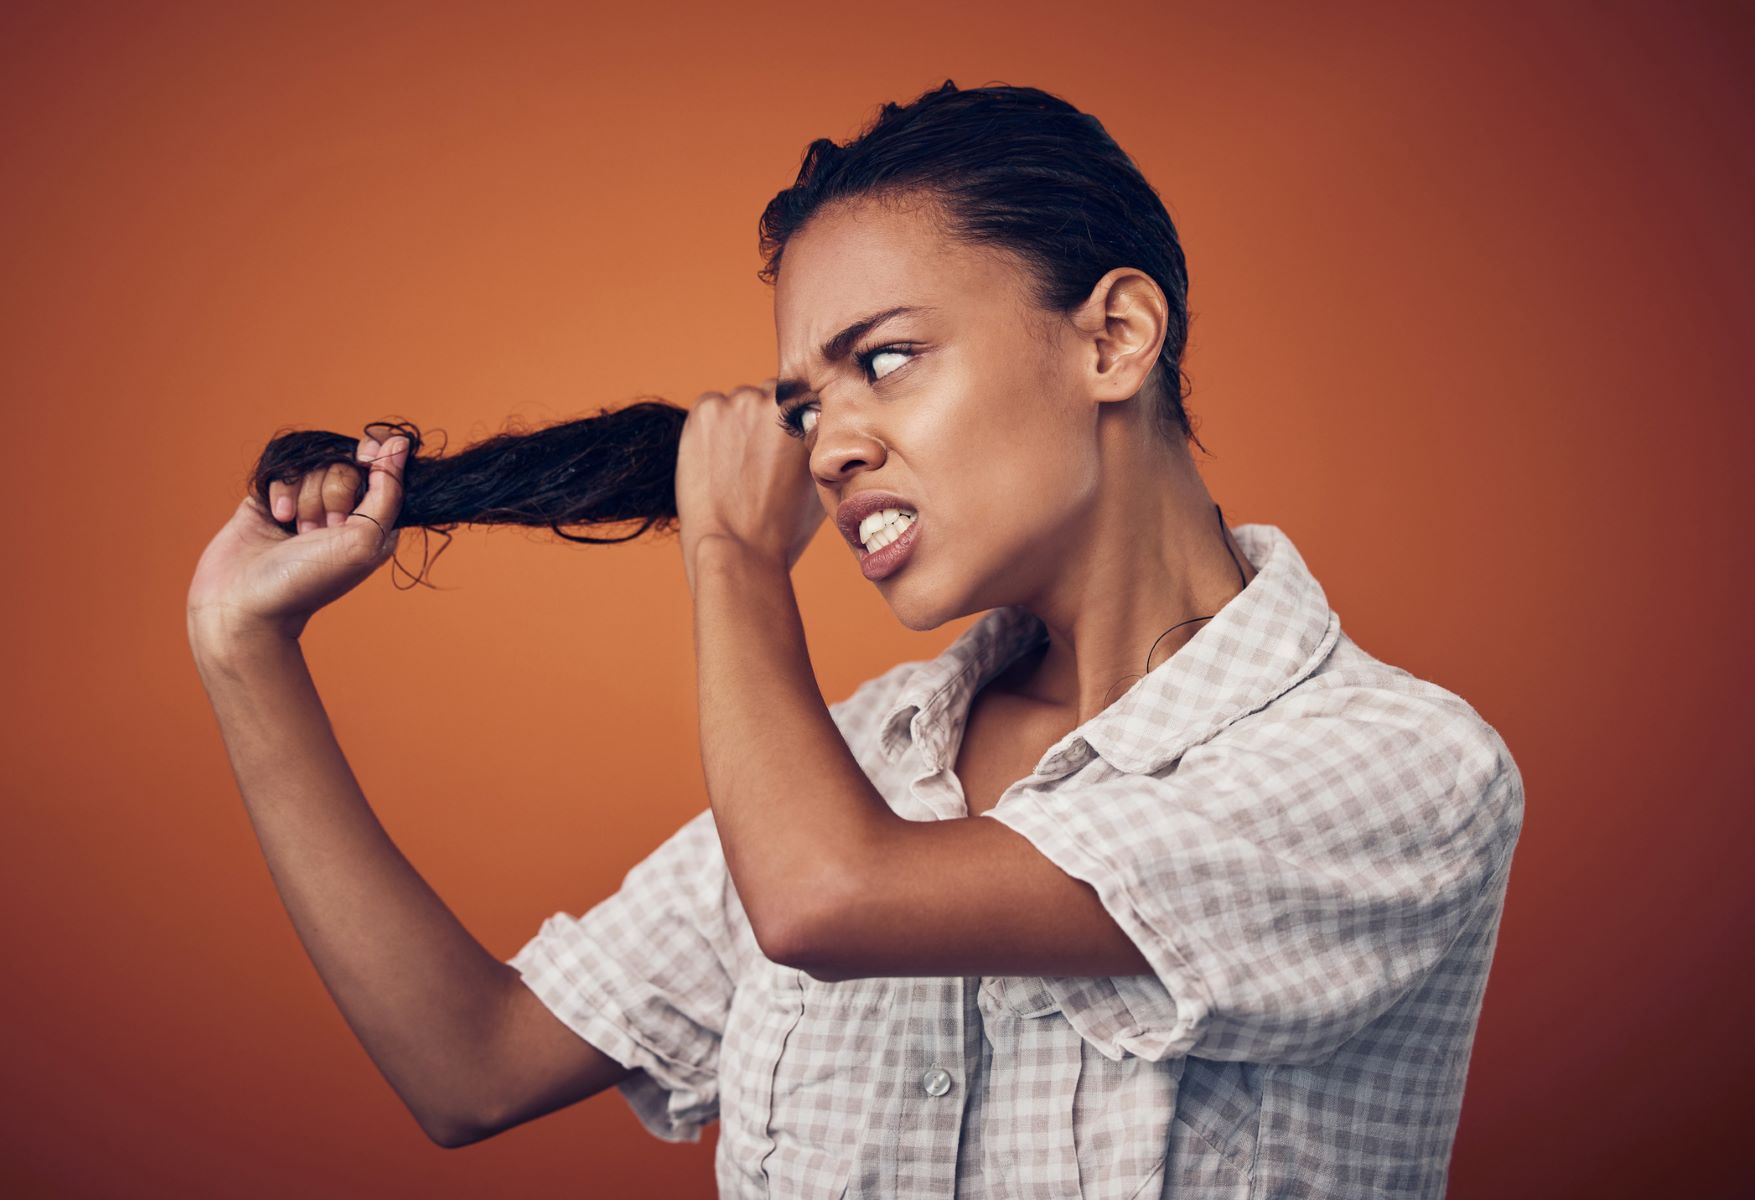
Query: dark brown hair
point(1020, 170)
point(1013, 168)
point(609, 469)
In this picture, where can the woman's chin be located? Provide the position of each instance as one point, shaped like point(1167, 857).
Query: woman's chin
point(918, 624)
point(920, 607)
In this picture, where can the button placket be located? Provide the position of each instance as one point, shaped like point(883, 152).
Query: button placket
point(925, 1140)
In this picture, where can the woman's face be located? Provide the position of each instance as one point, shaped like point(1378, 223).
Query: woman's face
point(969, 407)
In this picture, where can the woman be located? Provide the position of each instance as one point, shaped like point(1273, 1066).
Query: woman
point(1227, 925)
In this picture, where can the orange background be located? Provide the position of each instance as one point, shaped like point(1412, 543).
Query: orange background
point(1469, 287)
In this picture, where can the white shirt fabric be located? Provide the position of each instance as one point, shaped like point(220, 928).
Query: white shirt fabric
point(1309, 846)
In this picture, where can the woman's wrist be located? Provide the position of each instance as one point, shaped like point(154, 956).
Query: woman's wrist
point(716, 551)
point(219, 638)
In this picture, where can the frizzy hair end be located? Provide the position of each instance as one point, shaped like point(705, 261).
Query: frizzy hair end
point(615, 467)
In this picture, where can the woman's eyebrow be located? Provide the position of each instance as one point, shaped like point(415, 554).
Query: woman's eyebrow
point(837, 347)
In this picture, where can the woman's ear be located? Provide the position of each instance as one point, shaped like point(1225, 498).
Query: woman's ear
point(1125, 319)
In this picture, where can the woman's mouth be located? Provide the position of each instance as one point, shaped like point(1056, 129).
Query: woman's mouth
point(893, 533)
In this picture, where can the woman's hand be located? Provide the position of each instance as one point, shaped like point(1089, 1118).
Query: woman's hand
point(739, 477)
point(255, 577)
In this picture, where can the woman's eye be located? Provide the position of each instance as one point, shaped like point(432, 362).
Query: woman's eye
point(792, 420)
point(898, 355)
point(868, 360)
point(800, 419)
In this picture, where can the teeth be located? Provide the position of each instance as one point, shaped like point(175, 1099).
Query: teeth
point(881, 528)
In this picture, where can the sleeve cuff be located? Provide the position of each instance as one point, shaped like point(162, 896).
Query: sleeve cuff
point(672, 1101)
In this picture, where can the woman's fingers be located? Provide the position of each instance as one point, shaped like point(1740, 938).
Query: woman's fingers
point(318, 499)
point(310, 502)
point(327, 496)
point(341, 487)
point(383, 499)
point(282, 500)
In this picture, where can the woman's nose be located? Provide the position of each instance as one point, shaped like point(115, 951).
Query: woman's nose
point(841, 451)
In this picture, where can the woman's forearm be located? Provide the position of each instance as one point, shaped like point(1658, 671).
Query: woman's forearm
point(418, 990)
point(796, 814)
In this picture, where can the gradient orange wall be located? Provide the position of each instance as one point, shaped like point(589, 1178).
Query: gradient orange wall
point(1470, 290)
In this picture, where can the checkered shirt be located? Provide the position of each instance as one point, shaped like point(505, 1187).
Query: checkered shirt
point(1308, 845)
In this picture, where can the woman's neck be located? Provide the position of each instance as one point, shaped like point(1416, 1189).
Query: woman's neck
point(1150, 556)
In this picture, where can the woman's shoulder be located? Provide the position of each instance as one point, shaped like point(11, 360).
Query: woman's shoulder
point(1407, 727)
point(1354, 683)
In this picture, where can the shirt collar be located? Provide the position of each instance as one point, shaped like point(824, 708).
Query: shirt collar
point(1267, 638)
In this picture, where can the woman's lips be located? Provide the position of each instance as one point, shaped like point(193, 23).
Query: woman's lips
point(881, 563)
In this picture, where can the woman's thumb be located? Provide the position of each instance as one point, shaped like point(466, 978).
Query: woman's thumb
point(384, 463)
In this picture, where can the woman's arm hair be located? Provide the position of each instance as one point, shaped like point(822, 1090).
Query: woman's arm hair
point(455, 1031)
point(608, 469)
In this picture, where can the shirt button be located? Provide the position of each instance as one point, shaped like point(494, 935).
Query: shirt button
point(936, 1082)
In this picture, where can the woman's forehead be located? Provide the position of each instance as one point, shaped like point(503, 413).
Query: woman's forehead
point(843, 266)
point(858, 257)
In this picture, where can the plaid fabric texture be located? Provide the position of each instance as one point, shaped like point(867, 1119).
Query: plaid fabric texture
point(1310, 847)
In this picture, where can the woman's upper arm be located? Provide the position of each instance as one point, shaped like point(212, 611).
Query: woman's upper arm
point(641, 983)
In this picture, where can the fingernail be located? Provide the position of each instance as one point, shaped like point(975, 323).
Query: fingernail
point(397, 444)
point(305, 526)
point(368, 449)
point(336, 518)
point(282, 508)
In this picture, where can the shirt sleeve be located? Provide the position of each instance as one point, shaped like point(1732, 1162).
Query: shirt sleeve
point(1288, 880)
point(647, 977)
